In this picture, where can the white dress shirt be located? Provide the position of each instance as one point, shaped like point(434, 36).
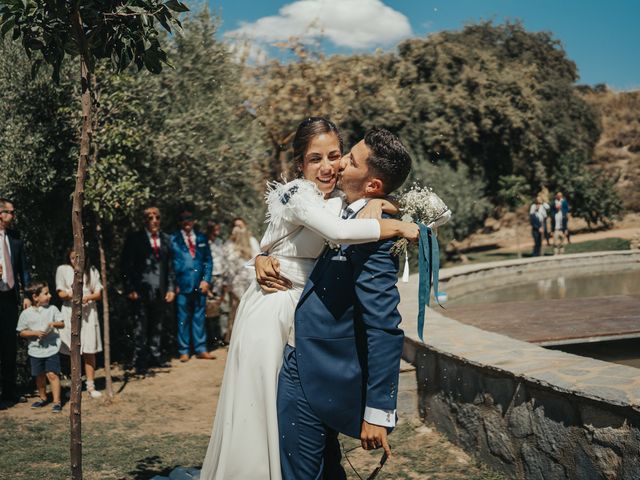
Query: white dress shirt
point(4, 243)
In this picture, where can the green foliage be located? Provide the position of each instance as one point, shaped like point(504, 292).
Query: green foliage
point(462, 192)
point(591, 194)
point(495, 97)
point(208, 149)
point(513, 190)
point(357, 92)
point(38, 152)
point(123, 32)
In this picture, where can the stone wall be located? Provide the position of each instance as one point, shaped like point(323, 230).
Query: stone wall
point(529, 412)
point(523, 428)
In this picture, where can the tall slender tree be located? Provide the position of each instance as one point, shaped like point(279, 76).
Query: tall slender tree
point(123, 31)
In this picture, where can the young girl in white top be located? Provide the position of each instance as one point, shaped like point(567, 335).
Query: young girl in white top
point(90, 338)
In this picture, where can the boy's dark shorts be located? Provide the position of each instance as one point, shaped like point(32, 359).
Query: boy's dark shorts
point(44, 365)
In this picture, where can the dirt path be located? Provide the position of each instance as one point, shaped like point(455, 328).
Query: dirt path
point(160, 422)
point(179, 399)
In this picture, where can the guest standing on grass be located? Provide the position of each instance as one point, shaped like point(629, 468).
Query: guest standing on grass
point(561, 210)
point(40, 323)
point(193, 266)
point(149, 283)
point(238, 251)
point(90, 338)
point(537, 218)
point(14, 277)
point(240, 222)
point(217, 311)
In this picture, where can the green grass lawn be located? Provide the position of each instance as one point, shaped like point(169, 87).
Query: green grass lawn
point(605, 244)
point(40, 450)
point(416, 454)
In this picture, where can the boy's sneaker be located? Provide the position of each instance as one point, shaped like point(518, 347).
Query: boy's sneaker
point(39, 404)
point(57, 408)
point(94, 393)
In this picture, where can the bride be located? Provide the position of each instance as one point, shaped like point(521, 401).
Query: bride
point(303, 216)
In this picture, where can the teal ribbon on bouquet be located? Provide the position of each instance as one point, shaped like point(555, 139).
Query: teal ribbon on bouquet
point(429, 269)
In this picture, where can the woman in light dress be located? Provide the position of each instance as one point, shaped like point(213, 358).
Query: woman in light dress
point(303, 215)
point(238, 250)
point(90, 338)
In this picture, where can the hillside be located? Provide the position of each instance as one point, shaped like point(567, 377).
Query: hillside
point(618, 150)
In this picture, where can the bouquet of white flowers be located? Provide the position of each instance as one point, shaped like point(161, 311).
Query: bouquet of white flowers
point(420, 205)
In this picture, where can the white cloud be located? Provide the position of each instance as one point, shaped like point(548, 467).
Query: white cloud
point(346, 23)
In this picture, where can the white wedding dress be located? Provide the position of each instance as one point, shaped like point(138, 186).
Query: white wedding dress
point(244, 441)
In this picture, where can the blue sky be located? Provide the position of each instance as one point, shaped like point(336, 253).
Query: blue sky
point(602, 37)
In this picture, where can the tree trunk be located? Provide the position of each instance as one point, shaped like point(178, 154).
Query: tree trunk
point(106, 337)
point(75, 412)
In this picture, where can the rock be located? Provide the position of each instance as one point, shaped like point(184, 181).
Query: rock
point(537, 466)
point(491, 225)
point(498, 441)
point(520, 421)
point(608, 462)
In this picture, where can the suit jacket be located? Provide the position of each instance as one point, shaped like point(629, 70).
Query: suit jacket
point(138, 264)
point(191, 271)
point(18, 263)
point(534, 220)
point(348, 344)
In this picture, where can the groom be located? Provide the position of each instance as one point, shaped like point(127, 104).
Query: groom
point(342, 373)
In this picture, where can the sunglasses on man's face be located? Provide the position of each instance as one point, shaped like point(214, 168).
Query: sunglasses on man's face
point(153, 216)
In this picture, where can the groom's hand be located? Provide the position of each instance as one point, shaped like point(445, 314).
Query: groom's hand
point(374, 436)
point(268, 275)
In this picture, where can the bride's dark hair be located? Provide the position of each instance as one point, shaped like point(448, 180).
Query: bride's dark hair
point(307, 130)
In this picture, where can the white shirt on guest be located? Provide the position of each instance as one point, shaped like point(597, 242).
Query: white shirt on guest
point(4, 243)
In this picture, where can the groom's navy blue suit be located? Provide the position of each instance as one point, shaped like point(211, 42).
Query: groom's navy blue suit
point(346, 357)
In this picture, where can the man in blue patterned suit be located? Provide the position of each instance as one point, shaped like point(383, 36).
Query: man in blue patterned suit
point(342, 373)
point(193, 267)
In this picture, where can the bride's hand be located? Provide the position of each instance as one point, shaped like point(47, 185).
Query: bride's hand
point(410, 231)
point(376, 206)
point(268, 275)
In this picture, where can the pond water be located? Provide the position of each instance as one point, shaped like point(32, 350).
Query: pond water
point(561, 286)
point(623, 352)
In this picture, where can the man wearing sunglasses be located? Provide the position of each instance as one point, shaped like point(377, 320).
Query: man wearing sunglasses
point(149, 285)
point(14, 276)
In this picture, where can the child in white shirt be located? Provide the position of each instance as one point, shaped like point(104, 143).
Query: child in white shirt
point(39, 323)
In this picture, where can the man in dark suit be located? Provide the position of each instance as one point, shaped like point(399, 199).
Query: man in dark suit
point(537, 228)
point(193, 266)
point(14, 276)
point(342, 374)
point(149, 285)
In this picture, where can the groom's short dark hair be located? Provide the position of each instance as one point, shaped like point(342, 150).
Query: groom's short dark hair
point(389, 159)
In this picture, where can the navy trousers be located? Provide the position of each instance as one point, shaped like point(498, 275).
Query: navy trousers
point(308, 448)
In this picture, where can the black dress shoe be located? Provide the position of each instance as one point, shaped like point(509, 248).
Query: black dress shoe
point(13, 399)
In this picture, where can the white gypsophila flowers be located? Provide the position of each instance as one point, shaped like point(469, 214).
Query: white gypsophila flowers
point(419, 204)
point(422, 205)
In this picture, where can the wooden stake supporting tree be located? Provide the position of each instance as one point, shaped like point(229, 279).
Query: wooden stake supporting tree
point(122, 31)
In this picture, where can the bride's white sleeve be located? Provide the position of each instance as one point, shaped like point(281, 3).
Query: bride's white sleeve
point(301, 203)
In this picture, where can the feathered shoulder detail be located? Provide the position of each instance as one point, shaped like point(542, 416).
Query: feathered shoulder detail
point(283, 198)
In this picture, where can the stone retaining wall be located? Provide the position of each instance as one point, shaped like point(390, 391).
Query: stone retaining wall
point(529, 412)
point(524, 428)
